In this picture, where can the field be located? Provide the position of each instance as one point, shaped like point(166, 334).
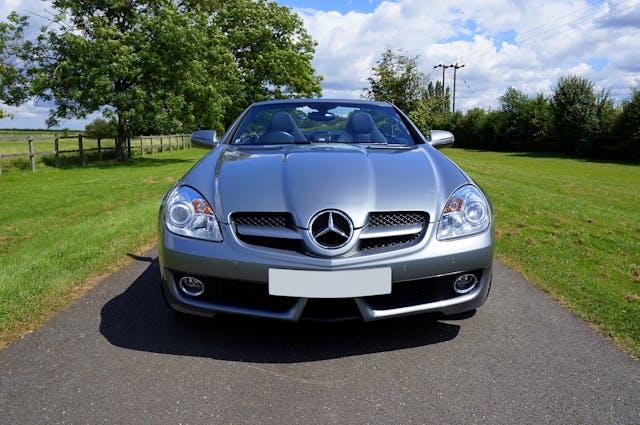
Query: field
point(60, 228)
point(570, 226)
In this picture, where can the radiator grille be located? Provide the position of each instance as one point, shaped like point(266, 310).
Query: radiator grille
point(377, 220)
point(381, 219)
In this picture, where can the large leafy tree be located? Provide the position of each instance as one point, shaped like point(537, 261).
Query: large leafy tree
point(524, 120)
point(581, 113)
point(13, 78)
point(160, 65)
point(396, 78)
point(270, 46)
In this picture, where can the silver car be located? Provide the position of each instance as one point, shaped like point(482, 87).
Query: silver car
point(327, 210)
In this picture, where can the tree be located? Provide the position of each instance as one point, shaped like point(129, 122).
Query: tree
point(270, 46)
point(523, 120)
point(629, 119)
point(575, 110)
point(514, 106)
point(160, 65)
point(12, 79)
point(397, 79)
point(540, 120)
point(101, 129)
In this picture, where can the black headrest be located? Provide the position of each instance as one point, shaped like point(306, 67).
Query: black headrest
point(361, 122)
point(282, 121)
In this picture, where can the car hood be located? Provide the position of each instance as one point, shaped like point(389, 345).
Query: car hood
point(306, 179)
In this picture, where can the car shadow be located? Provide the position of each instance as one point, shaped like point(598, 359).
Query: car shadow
point(139, 320)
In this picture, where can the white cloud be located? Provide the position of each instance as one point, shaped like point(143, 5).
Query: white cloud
point(524, 44)
point(542, 44)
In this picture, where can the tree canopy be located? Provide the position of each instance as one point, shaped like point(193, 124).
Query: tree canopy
point(396, 78)
point(574, 118)
point(158, 65)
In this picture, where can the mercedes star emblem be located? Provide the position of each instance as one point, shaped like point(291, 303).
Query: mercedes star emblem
point(331, 229)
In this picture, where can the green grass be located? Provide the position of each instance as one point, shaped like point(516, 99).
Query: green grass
point(573, 228)
point(59, 228)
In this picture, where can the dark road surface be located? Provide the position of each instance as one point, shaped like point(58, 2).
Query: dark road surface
point(119, 356)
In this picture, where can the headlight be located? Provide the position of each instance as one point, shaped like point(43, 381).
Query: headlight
point(187, 213)
point(465, 213)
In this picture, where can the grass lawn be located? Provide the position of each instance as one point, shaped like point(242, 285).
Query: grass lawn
point(572, 227)
point(59, 228)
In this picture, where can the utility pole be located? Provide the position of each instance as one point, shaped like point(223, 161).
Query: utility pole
point(455, 68)
point(443, 66)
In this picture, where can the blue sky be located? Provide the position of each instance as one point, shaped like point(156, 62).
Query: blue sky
point(527, 45)
point(363, 6)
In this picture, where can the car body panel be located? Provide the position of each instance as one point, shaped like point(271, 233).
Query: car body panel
point(303, 180)
point(296, 178)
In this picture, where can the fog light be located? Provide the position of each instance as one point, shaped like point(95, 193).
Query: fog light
point(191, 286)
point(465, 283)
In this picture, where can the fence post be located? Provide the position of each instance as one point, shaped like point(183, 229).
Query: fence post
point(99, 150)
point(32, 160)
point(151, 140)
point(141, 147)
point(81, 149)
point(129, 146)
point(56, 148)
point(161, 145)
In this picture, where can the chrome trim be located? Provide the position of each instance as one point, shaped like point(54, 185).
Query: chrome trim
point(267, 231)
point(454, 305)
point(390, 231)
point(206, 308)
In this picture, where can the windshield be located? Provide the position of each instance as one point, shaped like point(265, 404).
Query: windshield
point(322, 122)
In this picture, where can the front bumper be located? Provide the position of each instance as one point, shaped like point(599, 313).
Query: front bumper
point(236, 278)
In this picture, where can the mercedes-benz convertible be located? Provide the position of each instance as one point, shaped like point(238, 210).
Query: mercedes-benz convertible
point(325, 209)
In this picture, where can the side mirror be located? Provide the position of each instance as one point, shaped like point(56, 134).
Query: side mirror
point(204, 138)
point(441, 139)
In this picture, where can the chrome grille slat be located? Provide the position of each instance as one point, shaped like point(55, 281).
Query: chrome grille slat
point(390, 231)
point(267, 231)
point(388, 242)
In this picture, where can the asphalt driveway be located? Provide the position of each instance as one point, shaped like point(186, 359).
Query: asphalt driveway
point(119, 356)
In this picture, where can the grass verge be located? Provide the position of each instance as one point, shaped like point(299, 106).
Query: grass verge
point(572, 227)
point(61, 227)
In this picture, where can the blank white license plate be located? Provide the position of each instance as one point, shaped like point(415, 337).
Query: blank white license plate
point(330, 284)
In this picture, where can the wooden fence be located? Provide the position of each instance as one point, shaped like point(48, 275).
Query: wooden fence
point(143, 144)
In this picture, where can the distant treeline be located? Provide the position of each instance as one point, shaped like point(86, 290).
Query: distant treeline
point(575, 119)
